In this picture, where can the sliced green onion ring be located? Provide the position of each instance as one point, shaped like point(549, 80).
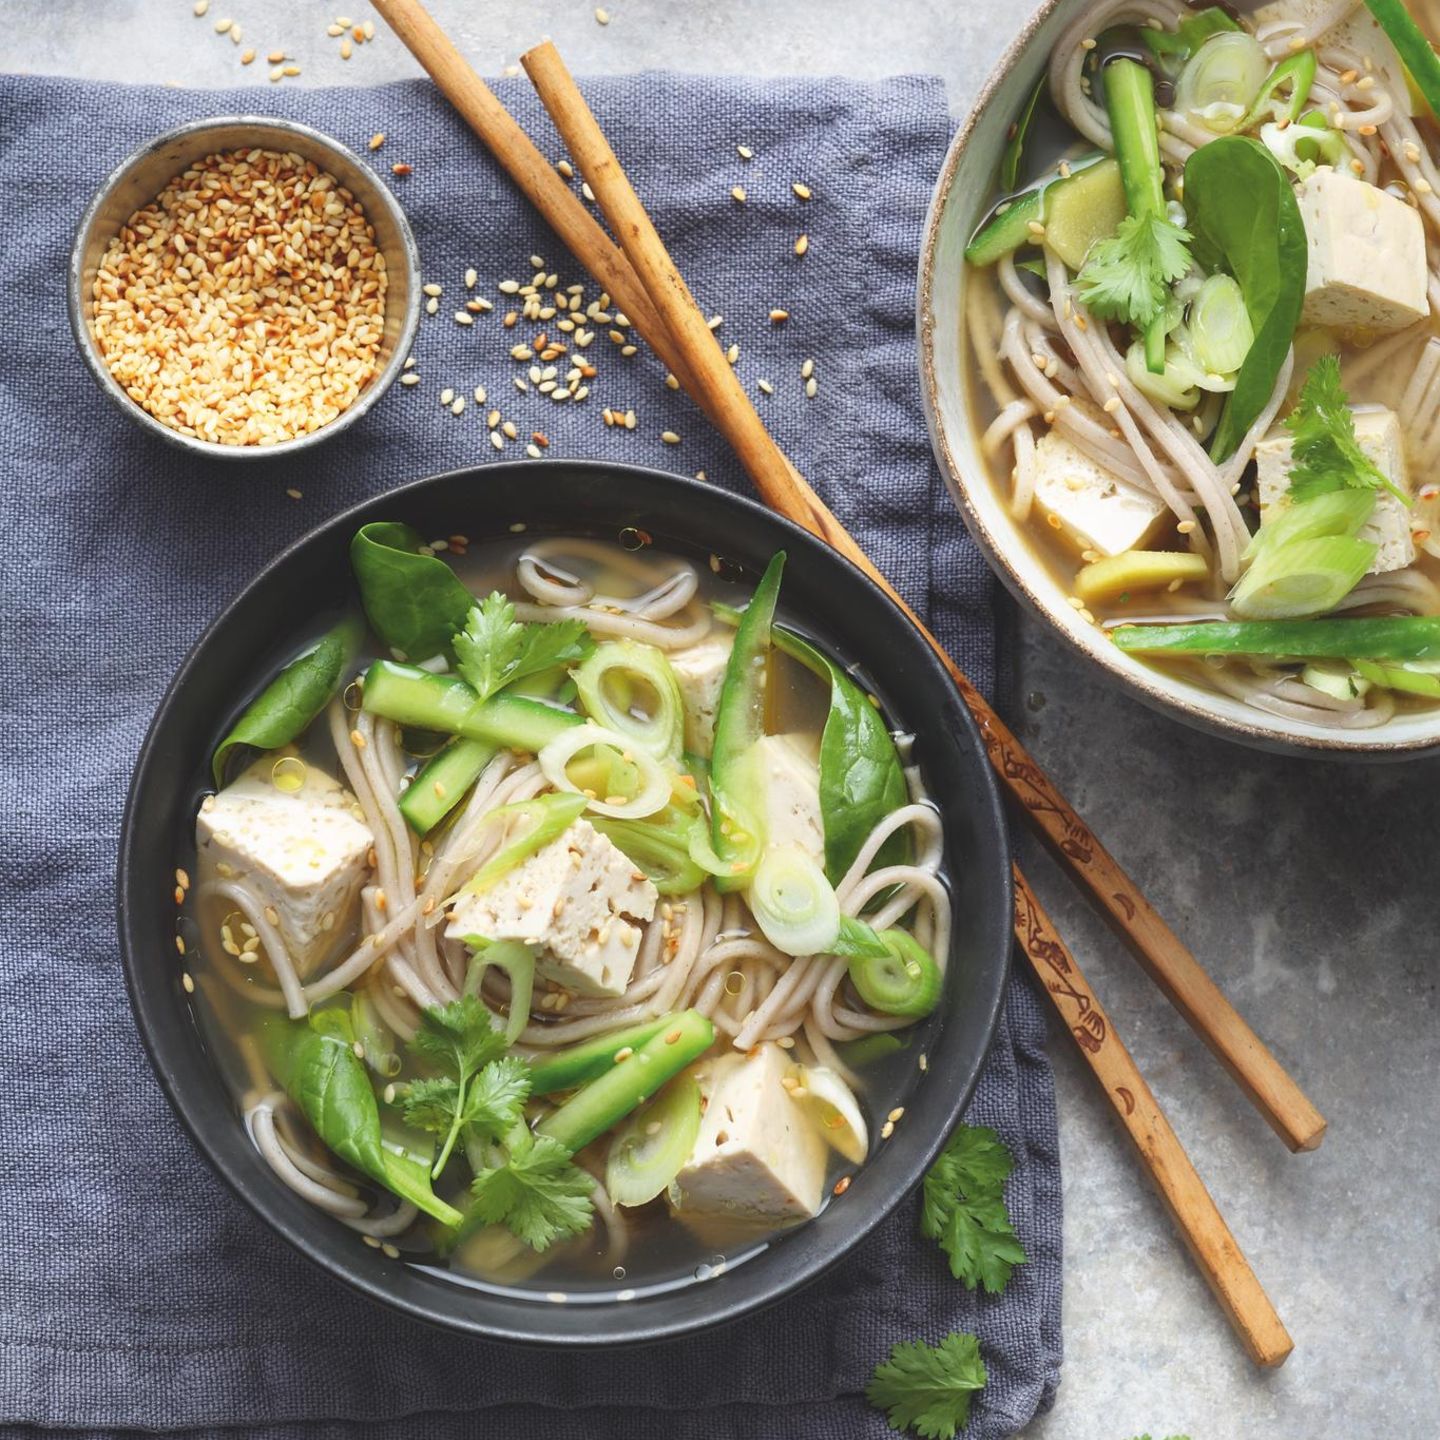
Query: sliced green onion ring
point(655, 784)
point(1220, 329)
point(652, 1145)
point(517, 960)
point(906, 983)
point(1221, 80)
point(793, 903)
point(533, 825)
point(1303, 578)
point(832, 1105)
point(643, 673)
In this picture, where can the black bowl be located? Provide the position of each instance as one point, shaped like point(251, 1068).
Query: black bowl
point(255, 633)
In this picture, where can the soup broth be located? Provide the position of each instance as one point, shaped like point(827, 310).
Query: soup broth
point(302, 982)
point(1206, 373)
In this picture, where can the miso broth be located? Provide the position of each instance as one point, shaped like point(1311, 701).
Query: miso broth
point(686, 868)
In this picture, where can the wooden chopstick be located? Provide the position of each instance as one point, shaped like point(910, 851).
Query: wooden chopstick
point(1202, 1227)
point(1204, 1230)
point(1270, 1088)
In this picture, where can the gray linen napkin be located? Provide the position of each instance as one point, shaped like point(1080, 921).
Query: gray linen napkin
point(135, 1292)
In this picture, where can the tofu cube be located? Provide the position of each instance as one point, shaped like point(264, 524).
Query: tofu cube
point(1367, 267)
point(305, 853)
point(700, 669)
point(758, 1156)
point(577, 899)
point(788, 776)
point(1090, 507)
point(1378, 431)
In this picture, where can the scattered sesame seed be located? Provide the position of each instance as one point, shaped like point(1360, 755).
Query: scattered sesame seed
point(247, 56)
point(602, 16)
point(744, 152)
point(401, 169)
point(446, 396)
point(779, 317)
point(801, 191)
point(277, 73)
point(841, 1185)
point(410, 378)
point(586, 191)
point(458, 405)
point(346, 49)
point(201, 6)
point(464, 317)
point(807, 369)
point(187, 980)
point(377, 139)
point(292, 70)
point(222, 26)
point(802, 244)
point(294, 494)
point(811, 386)
point(737, 193)
point(565, 168)
point(765, 387)
point(669, 437)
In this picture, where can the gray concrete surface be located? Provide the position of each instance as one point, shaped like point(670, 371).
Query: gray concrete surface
point(1307, 889)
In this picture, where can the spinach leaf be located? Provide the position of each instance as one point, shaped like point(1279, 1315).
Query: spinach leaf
point(861, 778)
point(317, 1065)
point(415, 602)
point(1244, 219)
point(287, 705)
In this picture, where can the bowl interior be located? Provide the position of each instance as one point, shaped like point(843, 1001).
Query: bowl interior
point(579, 499)
point(141, 177)
point(963, 195)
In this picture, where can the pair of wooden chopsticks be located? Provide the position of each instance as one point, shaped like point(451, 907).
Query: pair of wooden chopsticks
point(643, 281)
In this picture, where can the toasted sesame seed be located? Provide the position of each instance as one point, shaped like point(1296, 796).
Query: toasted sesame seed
point(446, 396)
point(669, 437)
point(887, 1129)
point(292, 70)
point(294, 494)
point(247, 56)
point(565, 168)
point(807, 369)
point(464, 317)
point(841, 1185)
point(188, 981)
point(431, 289)
point(737, 192)
point(346, 49)
point(802, 244)
point(457, 407)
point(744, 152)
point(278, 73)
point(779, 317)
point(470, 279)
point(801, 191)
point(602, 16)
point(586, 191)
point(811, 386)
point(765, 387)
point(497, 439)
point(1111, 405)
point(401, 169)
point(222, 26)
point(377, 139)
point(201, 6)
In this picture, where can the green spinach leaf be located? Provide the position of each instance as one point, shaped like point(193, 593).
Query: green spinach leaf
point(286, 706)
point(414, 602)
point(1242, 214)
point(861, 778)
point(317, 1065)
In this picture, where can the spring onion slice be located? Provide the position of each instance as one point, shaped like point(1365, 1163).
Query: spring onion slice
point(1304, 578)
point(517, 960)
point(651, 1147)
point(532, 824)
point(634, 669)
point(1176, 384)
point(1399, 677)
point(1337, 512)
point(374, 1036)
point(1220, 329)
point(662, 847)
point(1297, 71)
point(831, 1104)
point(1219, 83)
point(905, 983)
point(1304, 145)
point(793, 902)
point(652, 794)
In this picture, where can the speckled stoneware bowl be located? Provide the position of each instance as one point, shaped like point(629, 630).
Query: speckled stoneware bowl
point(142, 176)
point(962, 196)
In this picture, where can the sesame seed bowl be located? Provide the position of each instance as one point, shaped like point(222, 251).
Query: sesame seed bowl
point(244, 287)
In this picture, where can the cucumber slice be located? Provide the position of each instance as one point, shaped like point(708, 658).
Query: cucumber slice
point(1010, 228)
point(1087, 207)
point(651, 1146)
point(443, 782)
point(565, 1069)
point(906, 982)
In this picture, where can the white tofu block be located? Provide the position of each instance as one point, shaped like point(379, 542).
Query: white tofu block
point(575, 898)
point(789, 779)
point(1378, 431)
point(1367, 267)
point(305, 853)
point(758, 1155)
point(1090, 507)
point(700, 669)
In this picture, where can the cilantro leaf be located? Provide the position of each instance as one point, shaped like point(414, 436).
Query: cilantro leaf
point(494, 649)
point(430, 1105)
point(1128, 276)
point(1327, 456)
point(496, 1097)
point(540, 1195)
point(928, 1388)
point(963, 1209)
point(488, 645)
point(459, 1038)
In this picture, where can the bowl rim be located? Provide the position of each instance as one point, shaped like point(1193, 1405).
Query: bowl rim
point(1144, 683)
point(525, 1318)
point(76, 300)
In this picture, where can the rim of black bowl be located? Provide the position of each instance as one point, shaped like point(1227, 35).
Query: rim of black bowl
point(169, 775)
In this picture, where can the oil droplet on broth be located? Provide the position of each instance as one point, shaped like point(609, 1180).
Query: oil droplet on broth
point(288, 774)
point(618, 1272)
point(633, 539)
point(354, 696)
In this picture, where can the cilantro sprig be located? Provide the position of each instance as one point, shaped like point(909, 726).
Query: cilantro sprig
point(530, 1185)
point(963, 1209)
point(495, 649)
point(1327, 456)
point(1128, 276)
point(928, 1388)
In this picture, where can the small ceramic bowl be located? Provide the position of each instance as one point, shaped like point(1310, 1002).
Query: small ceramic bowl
point(145, 174)
point(963, 195)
